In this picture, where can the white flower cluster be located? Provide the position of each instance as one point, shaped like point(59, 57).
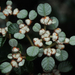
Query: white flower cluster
point(45, 35)
point(23, 28)
point(49, 51)
point(37, 42)
point(28, 22)
point(16, 57)
point(3, 31)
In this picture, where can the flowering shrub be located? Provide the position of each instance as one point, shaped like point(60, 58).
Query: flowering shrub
point(51, 42)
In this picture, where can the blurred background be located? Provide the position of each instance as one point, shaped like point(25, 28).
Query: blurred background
point(64, 10)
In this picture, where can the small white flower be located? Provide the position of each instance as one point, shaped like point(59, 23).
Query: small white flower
point(35, 39)
point(49, 22)
point(8, 7)
point(66, 41)
point(15, 49)
point(3, 31)
point(42, 31)
point(14, 63)
point(28, 21)
point(46, 39)
point(9, 11)
point(59, 42)
point(21, 25)
point(22, 31)
point(21, 63)
point(5, 12)
point(42, 20)
point(53, 51)
point(58, 52)
point(9, 56)
point(6, 28)
point(58, 30)
point(45, 51)
point(60, 46)
point(16, 11)
point(19, 59)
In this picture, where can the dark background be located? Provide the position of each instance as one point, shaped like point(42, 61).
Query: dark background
point(64, 10)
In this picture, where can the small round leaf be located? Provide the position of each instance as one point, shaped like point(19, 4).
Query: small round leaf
point(22, 14)
point(32, 51)
point(62, 36)
point(44, 9)
point(48, 63)
point(13, 28)
point(19, 36)
point(13, 42)
point(65, 66)
point(55, 23)
point(19, 21)
point(5, 67)
point(9, 3)
point(36, 27)
point(32, 14)
point(2, 16)
point(72, 40)
point(63, 56)
point(8, 23)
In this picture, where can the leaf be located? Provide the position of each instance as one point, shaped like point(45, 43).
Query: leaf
point(9, 3)
point(72, 40)
point(32, 14)
point(62, 36)
point(55, 23)
point(65, 66)
point(13, 42)
point(2, 41)
point(5, 67)
point(32, 51)
point(22, 14)
point(19, 21)
point(2, 16)
point(48, 63)
point(20, 47)
point(13, 28)
point(8, 23)
point(63, 56)
point(19, 36)
point(30, 58)
point(36, 27)
point(44, 9)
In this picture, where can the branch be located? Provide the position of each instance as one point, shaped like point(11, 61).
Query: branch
point(29, 40)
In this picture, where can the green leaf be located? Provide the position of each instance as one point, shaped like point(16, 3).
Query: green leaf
point(13, 28)
point(2, 41)
point(13, 42)
point(5, 67)
point(62, 36)
point(63, 56)
point(30, 58)
point(32, 14)
point(48, 63)
point(36, 27)
point(22, 14)
point(2, 16)
point(32, 51)
point(8, 23)
point(72, 40)
point(55, 23)
point(65, 66)
point(19, 36)
point(19, 21)
point(44, 9)
point(9, 3)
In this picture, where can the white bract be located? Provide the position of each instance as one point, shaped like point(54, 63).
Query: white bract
point(15, 11)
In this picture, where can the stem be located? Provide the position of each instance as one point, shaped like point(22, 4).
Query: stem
point(9, 36)
point(51, 45)
point(45, 27)
point(29, 40)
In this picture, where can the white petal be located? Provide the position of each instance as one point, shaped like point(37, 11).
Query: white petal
point(9, 56)
point(21, 63)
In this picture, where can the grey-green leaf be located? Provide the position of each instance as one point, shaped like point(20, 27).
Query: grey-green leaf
point(62, 36)
point(48, 63)
point(63, 56)
point(5, 67)
point(22, 14)
point(65, 66)
point(8, 23)
point(36, 27)
point(72, 40)
point(19, 36)
point(32, 14)
point(9, 3)
point(44, 9)
point(13, 42)
point(19, 21)
point(32, 51)
point(54, 24)
point(13, 28)
point(2, 16)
